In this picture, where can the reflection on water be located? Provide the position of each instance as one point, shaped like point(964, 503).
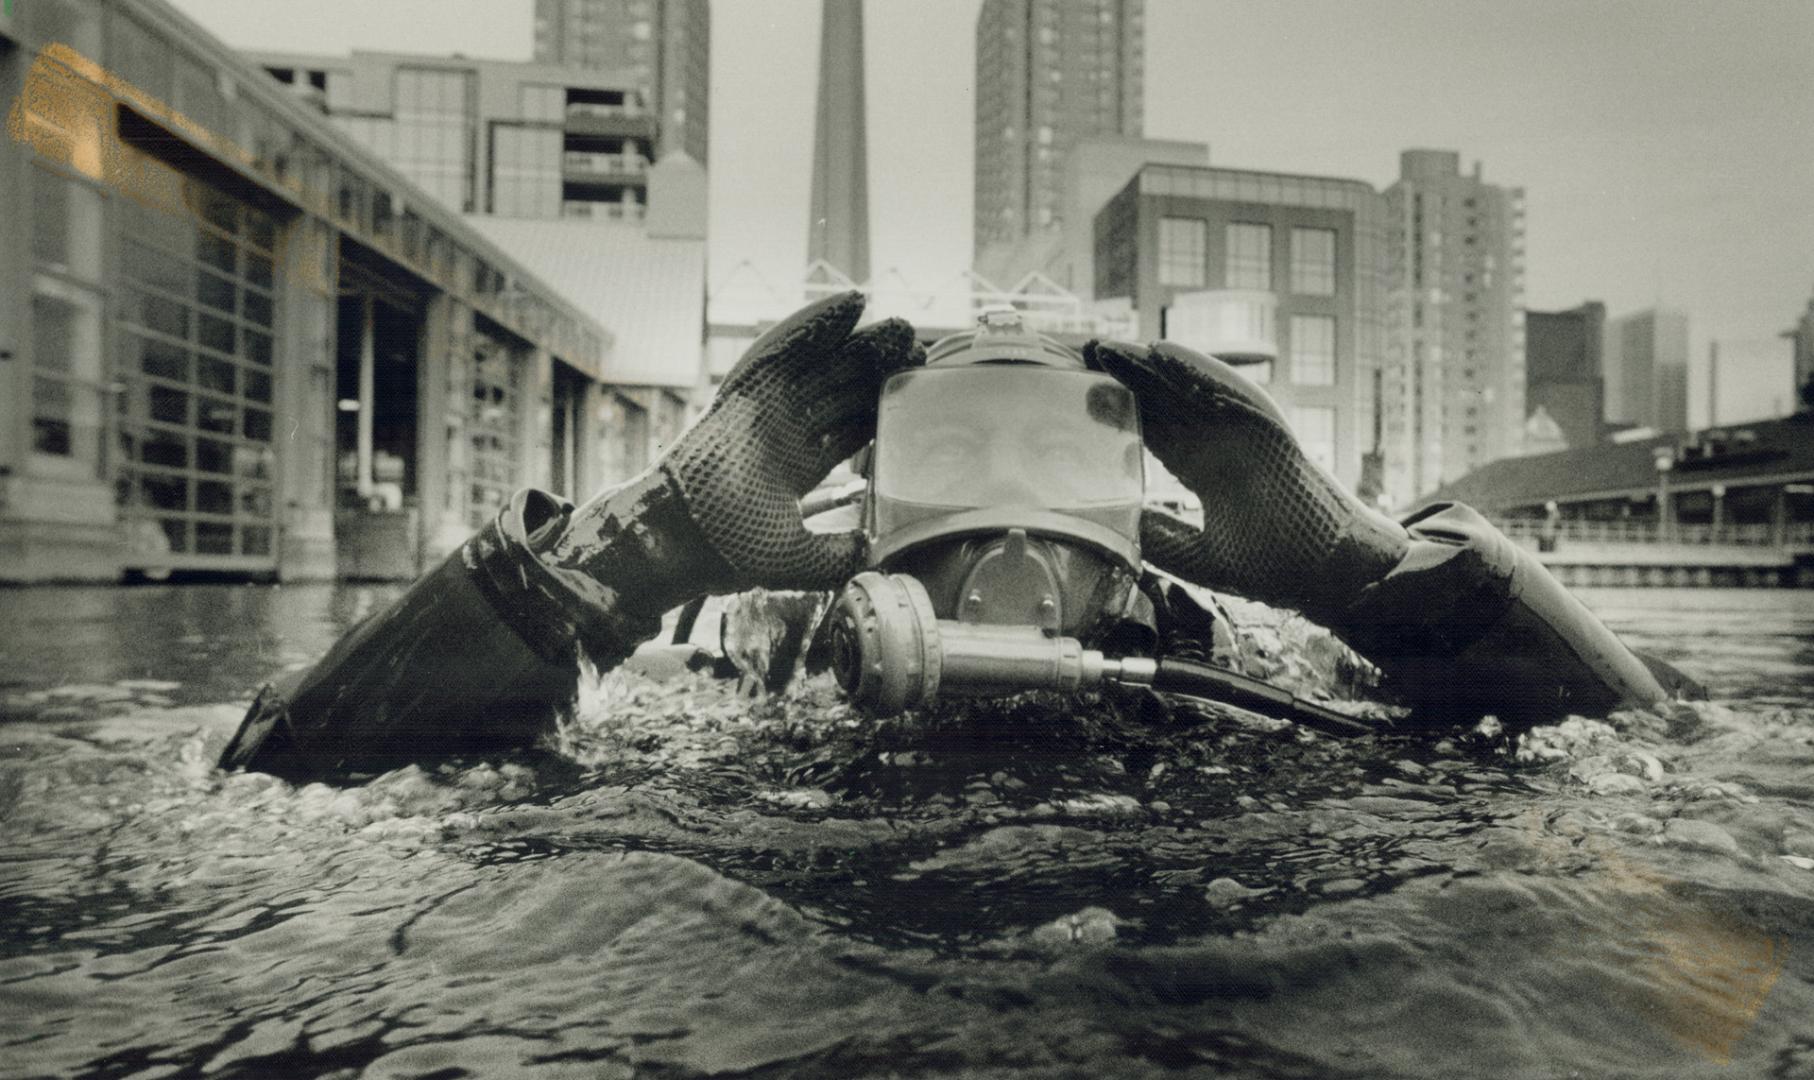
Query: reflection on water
point(692, 883)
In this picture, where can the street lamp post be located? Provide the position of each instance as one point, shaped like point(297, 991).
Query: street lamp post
point(1665, 461)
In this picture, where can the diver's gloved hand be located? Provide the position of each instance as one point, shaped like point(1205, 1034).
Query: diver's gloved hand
point(479, 653)
point(1462, 621)
point(723, 504)
point(1275, 526)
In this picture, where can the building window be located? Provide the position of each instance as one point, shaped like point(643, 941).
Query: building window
point(68, 415)
point(196, 365)
point(1313, 350)
point(1313, 262)
point(433, 137)
point(494, 458)
point(1249, 262)
point(525, 172)
point(1183, 244)
point(1315, 428)
point(66, 371)
point(65, 225)
point(624, 446)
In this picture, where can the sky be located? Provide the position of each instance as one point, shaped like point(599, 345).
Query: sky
point(1663, 145)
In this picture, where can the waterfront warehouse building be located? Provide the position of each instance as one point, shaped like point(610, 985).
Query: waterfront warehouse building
point(1278, 273)
point(1750, 484)
point(1453, 389)
point(232, 339)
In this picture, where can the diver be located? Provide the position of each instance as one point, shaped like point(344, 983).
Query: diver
point(1014, 493)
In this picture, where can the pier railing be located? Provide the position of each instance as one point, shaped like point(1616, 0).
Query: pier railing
point(1788, 534)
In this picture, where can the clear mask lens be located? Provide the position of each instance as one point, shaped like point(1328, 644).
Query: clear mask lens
point(1008, 435)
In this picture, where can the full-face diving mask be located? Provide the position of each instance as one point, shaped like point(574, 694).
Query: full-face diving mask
point(1003, 515)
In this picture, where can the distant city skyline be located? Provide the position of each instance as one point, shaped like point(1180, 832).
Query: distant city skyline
point(1662, 147)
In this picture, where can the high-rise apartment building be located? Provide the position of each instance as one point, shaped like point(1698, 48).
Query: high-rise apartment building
point(1452, 390)
point(1048, 72)
point(1563, 370)
point(663, 46)
point(487, 136)
point(838, 226)
point(1647, 370)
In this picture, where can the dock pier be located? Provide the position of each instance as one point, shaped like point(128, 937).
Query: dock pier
point(1596, 555)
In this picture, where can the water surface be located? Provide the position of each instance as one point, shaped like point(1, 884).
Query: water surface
point(688, 882)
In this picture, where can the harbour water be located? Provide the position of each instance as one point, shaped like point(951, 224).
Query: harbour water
point(688, 882)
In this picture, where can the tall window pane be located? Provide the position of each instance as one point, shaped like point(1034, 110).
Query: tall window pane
point(1315, 428)
point(434, 134)
point(1313, 350)
point(1313, 262)
point(65, 224)
point(526, 176)
point(194, 378)
point(1249, 263)
point(1182, 247)
point(66, 357)
point(493, 458)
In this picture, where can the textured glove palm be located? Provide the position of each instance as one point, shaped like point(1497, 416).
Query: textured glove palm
point(1276, 527)
point(720, 511)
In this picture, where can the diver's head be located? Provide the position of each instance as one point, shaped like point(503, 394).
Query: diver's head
point(1008, 478)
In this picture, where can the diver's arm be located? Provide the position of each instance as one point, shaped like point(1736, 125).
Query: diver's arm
point(480, 652)
point(1462, 621)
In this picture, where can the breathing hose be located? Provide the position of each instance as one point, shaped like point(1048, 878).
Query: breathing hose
point(1191, 679)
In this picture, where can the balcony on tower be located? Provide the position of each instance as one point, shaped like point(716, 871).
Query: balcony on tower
point(623, 166)
point(607, 114)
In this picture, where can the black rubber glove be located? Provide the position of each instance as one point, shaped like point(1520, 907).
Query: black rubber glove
point(799, 402)
point(1275, 526)
point(1463, 621)
point(480, 653)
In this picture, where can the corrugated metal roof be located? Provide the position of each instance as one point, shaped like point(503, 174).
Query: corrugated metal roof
point(1726, 455)
point(648, 292)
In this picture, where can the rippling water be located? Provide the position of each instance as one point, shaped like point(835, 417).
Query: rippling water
point(694, 883)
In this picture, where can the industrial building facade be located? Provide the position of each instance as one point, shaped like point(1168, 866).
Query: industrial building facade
point(1275, 272)
point(233, 340)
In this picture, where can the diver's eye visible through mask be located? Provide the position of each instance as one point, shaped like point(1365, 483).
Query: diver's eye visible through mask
point(974, 436)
